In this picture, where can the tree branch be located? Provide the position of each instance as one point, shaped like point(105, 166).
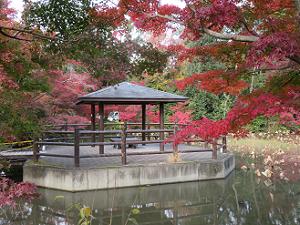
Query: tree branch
point(26, 31)
point(234, 37)
point(13, 37)
point(295, 59)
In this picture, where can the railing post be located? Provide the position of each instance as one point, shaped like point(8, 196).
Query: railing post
point(123, 144)
point(224, 144)
point(101, 127)
point(93, 122)
point(76, 147)
point(143, 122)
point(148, 134)
point(175, 146)
point(205, 145)
point(66, 128)
point(214, 149)
point(36, 151)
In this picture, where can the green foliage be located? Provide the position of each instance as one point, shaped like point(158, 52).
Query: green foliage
point(64, 17)
point(21, 121)
point(148, 59)
point(204, 104)
point(263, 124)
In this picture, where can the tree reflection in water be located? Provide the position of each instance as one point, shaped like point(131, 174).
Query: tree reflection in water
point(238, 200)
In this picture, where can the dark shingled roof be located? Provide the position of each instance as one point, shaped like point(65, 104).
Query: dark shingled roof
point(128, 93)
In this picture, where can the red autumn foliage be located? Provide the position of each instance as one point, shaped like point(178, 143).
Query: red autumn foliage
point(5, 81)
point(214, 81)
point(244, 111)
point(273, 48)
point(11, 192)
point(180, 117)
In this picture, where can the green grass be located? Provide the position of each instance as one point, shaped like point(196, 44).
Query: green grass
point(260, 145)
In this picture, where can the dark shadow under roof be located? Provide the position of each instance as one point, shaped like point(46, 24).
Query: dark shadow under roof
point(128, 93)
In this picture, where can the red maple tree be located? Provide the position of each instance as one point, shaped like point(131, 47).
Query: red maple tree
point(253, 35)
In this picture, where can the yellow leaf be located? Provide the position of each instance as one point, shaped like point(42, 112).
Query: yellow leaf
point(135, 211)
point(86, 211)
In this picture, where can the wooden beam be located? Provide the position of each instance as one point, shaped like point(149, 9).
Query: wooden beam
point(143, 121)
point(101, 127)
point(93, 122)
point(162, 125)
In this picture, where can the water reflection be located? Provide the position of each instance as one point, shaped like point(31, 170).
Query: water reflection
point(239, 199)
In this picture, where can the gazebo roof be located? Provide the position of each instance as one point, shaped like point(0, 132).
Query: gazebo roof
point(128, 93)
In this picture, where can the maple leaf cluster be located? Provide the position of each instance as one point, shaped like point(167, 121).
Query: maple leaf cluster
point(214, 81)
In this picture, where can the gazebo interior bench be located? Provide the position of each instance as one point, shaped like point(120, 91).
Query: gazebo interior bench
point(129, 138)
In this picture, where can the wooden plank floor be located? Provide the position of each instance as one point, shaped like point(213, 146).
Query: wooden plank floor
point(131, 159)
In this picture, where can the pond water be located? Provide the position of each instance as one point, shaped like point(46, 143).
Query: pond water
point(239, 199)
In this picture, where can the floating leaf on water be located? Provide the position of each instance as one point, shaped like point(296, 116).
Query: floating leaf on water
point(257, 172)
point(268, 182)
point(59, 197)
point(258, 181)
point(244, 167)
point(268, 160)
point(135, 211)
point(85, 212)
point(271, 196)
point(267, 173)
point(132, 220)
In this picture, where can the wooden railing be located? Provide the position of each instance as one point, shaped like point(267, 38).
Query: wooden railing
point(79, 137)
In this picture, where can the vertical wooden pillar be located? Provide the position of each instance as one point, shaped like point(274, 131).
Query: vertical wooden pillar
point(148, 134)
point(101, 127)
point(143, 121)
point(36, 151)
point(123, 144)
point(76, 147)
point(162, 125)
point(175, 146)
point(224, 144)
point(66, 129)
point(214, 149)
point(205, 145)
point(93, 122)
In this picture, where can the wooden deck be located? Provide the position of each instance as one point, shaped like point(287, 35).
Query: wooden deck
point(184, 155)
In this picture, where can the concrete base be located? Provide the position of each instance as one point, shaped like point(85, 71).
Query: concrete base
point(82, 179)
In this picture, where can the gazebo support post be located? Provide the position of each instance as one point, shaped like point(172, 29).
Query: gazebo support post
point(162, 125)
point(143, 121)
point(101, 127)
point(93, 122)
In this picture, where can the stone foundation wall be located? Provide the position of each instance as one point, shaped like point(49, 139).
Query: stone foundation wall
point(82, 179)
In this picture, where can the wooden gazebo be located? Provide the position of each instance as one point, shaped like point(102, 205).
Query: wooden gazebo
point(126, 93)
